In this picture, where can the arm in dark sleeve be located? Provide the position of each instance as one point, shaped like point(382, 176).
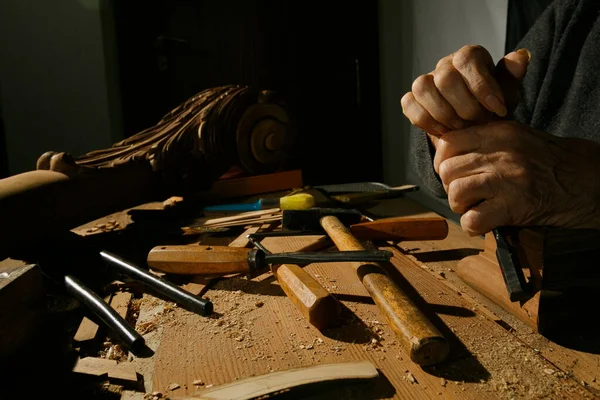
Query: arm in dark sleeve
point(540, 40)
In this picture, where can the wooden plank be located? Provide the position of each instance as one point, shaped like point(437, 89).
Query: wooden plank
point(87, 330)
point(21, 305)
point(246, 340)
point(101, 366)
point(273, 383)
point(242, 240)
point(257, 184)
point(120, 303)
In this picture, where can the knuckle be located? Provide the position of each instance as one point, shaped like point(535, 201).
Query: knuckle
point(405, 101)
point(467, 54)
point(446, 78)
point(444, 61)
point(472, 223)
point(445, 172)
point(421, 85)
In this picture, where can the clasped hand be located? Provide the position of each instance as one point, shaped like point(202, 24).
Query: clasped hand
point(498, 172)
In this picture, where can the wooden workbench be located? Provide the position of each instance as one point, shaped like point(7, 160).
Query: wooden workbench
point(256, 330)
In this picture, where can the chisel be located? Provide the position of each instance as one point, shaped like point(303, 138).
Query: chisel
point(223, 260)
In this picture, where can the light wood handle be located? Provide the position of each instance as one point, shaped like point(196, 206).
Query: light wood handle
point(199, 260)
point(313, 301)
point(425, 344)
point(402, 228)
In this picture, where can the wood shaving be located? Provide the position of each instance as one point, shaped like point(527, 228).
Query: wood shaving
point(410, 377)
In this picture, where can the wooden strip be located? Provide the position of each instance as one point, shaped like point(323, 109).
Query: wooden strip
point(88, 329)
point(242, 240)
point(284, 380)
point(100, 366)
point(120, 303)
point(238, 217)
point(258, 184)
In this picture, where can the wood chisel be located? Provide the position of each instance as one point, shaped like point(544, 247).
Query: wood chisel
point(512, 272)
point(223, 260)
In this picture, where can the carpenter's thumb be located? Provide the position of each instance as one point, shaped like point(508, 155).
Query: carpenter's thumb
point(510, 71)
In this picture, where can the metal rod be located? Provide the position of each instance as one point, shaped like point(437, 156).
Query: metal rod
point(256, 243)
point(124, 332)
point(162, 286)
point(301, 258)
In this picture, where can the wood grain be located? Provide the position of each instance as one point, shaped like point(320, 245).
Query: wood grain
point(199, 260)
point(487, 359)
point(258, 184)
point(423, 341)
point(263, 385)
point(313, 301)
point(402, 228)
point(101, 366)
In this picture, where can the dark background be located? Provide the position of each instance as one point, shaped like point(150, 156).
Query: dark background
point(322, 56)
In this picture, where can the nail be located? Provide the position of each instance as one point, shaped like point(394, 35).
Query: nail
point(495, 105)
point(526, 53)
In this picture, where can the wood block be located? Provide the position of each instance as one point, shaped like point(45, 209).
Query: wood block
point(101, 366)
point(257, 184)
point(559, 266)
point(120, 303)
point(21, 305)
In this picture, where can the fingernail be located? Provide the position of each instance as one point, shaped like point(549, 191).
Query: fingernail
point(526, 53)
point(496, 105)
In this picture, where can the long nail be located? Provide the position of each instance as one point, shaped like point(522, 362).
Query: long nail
point(496, 105)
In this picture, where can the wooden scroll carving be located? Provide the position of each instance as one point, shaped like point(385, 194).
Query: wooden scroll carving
point(196, 142)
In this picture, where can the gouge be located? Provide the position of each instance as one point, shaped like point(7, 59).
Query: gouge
point(223, 260)
point(424, 342)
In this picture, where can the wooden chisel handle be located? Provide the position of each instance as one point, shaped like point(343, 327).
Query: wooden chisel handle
point(313, 301)
point(199, 260)
point(402, 228)
point(424, 342)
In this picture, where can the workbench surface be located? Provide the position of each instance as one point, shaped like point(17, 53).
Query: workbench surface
point(256, 330)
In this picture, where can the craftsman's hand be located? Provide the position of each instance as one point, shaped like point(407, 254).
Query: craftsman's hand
point(506, 173)
point(465, 89)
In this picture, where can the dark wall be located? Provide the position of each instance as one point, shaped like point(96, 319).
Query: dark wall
point(322, 56)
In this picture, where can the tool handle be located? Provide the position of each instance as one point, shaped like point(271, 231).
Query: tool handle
point(313, 301)
point(199, 260)
point(124, 332)
point(328, 256)
point(402, 228)
point(424, 342)
point(172, 292)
